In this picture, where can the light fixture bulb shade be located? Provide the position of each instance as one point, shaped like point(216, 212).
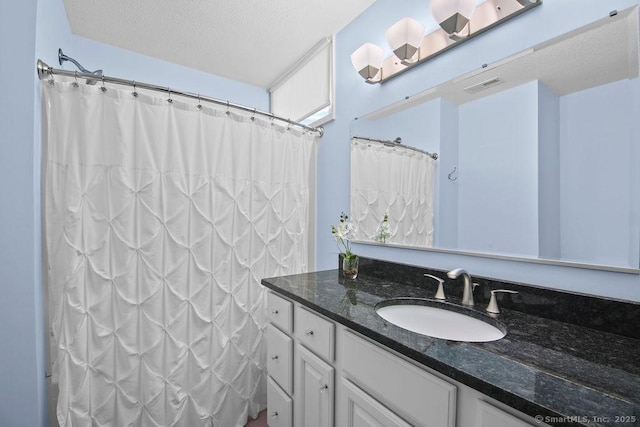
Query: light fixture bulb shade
point(452, 15)
point(405, 37)
point(367, 60)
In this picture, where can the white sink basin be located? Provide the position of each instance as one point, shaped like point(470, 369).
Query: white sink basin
point(440, 323)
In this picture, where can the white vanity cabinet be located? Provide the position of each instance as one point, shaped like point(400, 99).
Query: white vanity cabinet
point(323, 374)
point(279, 361)
point(300, 356)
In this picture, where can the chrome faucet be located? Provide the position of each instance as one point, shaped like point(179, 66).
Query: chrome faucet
point(467, 292)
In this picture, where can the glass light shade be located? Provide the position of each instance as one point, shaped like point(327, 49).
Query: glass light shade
point(452, 15)
point(367, 60)
point(405, 37)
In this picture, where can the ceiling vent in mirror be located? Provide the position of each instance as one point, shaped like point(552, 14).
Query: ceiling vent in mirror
point(484, 85)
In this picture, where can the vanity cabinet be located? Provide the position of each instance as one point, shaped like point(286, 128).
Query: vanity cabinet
point(322, 374)
point(280, 357)
point(300, 353)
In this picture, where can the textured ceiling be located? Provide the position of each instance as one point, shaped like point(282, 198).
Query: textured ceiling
point(252, 41)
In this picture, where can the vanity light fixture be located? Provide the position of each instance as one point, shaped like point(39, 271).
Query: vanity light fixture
point(367, 60)
point(459, 21)
point(452, 15)
point(404, 38)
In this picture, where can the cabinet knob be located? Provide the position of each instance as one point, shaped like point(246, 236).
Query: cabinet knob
point(323, 387)
point(274, 311)
point(274, 414)
point(308, 333)
point(274, 357)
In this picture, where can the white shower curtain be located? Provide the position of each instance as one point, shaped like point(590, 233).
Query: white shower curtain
point(161, 219)
point(393, 180)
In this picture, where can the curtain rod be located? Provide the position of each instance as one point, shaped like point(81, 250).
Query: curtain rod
point(398, 143)
point(45, 70)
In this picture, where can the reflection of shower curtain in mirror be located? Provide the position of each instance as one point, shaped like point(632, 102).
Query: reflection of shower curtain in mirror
point(395, 180)
point(161, 219)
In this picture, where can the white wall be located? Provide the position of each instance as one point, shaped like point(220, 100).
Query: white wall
point(355, 98)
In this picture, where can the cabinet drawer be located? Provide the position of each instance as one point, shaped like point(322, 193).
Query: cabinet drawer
point(279, 406)
point(280, 358)
point(316, 333)
point(416, 395)
point(279, 312)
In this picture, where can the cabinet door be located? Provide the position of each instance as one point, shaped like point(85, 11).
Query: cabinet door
point(363, 410)
point(490, 416)
point(314, 390)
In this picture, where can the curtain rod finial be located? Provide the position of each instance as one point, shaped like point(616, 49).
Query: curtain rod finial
point(43, 69)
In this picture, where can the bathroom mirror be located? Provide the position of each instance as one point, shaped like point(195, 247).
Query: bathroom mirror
point(538, 153)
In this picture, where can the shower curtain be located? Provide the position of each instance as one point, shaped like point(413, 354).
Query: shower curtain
point(161, 218)
point(397, 181)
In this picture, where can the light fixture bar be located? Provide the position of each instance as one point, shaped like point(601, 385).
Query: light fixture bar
point(486, 16)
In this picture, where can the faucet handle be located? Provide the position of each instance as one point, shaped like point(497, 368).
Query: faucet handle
point(493, 304)
point(440, 292)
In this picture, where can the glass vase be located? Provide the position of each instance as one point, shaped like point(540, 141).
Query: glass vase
point(350, 267)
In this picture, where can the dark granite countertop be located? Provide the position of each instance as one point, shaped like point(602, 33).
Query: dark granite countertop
point(568, 374)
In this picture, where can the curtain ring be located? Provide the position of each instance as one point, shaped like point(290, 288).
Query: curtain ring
point(272, 118)
point(135, 92)
point(228, 112)
point(199, 106)
point(170, 101)
point(103, 88)
point(75, 76)
point(253, 116)
point(288, 124)
point(50, 80)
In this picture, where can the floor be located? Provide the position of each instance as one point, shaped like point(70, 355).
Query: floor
point(261, 421)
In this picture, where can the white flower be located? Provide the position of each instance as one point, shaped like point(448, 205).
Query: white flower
point(342, 233)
